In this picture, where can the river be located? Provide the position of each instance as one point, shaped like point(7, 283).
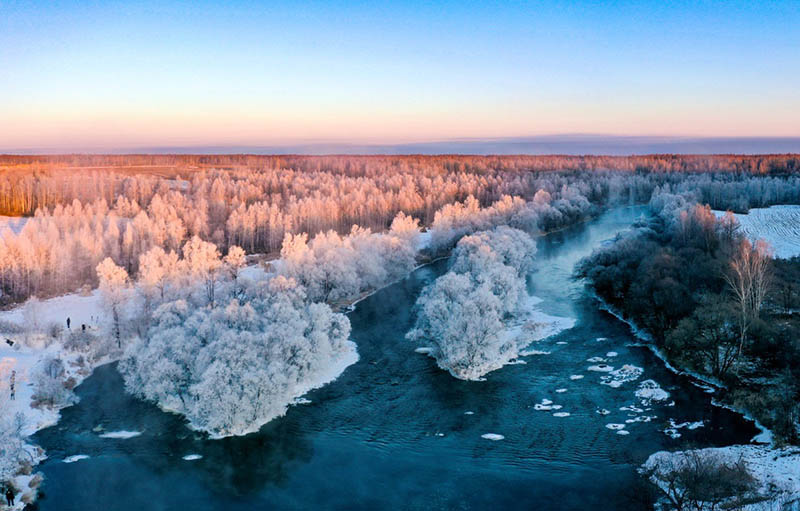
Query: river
point(392, 432)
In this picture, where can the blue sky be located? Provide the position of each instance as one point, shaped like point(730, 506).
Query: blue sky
point(104, 75)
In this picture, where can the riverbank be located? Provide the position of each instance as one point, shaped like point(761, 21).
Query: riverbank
point(775, 469)
point(775, 472)
point(26, 348)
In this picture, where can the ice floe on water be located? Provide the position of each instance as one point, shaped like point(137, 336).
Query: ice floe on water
point(123, 434)
point(192, 457)
point(525, 353)
point(561, 414)
point(492, 436)
point(650, 391)
point(631, 408)
point(611, 354)
point(615, 427)
point(546, 408)
point(708, 389)
point(425, 350)
point(561, 342)
point(469, 412)
point(595, 360)
point(601, 339)
point(576, 377)
point(601, 368)
point(75, 457)
point(640, 418)
point(623, 432)
point(561, 391)
point(546, 405)
point(602, 411)
point(622, 375)
point(672, 430)
point(302, 401)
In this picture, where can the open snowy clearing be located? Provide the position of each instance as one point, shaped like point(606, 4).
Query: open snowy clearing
point(81, 308)
point(777, 225)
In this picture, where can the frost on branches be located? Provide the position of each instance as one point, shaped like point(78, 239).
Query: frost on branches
point(463, 315)
point(334, 267)
point(233, 366)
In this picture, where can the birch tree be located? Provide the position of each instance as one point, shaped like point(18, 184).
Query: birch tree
point(749, 278)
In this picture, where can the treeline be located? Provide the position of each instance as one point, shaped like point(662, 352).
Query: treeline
point(31, 182)
point(712, 302)
point(353, 163)
point(58, 248)
point(81, 217)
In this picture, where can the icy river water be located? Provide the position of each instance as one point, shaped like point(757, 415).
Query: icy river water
point(393, 431)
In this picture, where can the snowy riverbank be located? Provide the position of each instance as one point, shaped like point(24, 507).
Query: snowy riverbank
point(776, 472)
point(25, 326)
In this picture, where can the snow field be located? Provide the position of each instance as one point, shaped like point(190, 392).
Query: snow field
point(777, 225)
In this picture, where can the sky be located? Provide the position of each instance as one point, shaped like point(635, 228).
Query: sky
point(112, 76)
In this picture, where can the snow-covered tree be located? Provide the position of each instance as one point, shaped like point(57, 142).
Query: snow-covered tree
point(158, 269)
point(462, 315)
point(114, 292)
point(202, 263)
point(233, 366)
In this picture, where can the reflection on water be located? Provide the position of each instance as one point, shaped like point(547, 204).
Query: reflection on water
point(392, 431)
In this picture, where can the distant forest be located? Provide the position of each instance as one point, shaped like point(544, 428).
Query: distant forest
point(84, 208)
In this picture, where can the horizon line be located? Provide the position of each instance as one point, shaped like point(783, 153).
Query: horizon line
point(577, 144)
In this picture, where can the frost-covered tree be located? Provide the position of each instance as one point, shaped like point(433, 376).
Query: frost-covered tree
point(235, 260)
point(462, 315)
point(233, 366)
point(49, 389)
point(333, 267)
point(202, 263)
point(12, 441)
point(114, 292)
point(158, 270)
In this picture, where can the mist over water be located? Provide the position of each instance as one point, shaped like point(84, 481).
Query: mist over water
point(392, 432)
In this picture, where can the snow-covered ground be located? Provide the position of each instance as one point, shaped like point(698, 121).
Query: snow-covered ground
point(25, 361)
point(777, 225)
point(776, 471)
point(30, 349)
point(81, 308)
